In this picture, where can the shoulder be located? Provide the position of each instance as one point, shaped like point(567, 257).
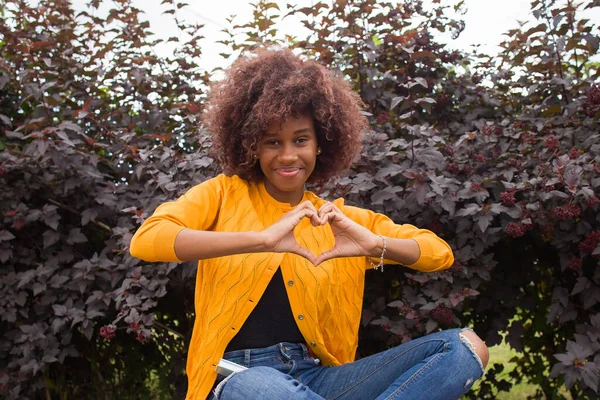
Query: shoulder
point(362, 216)
point(218, 186)
point(227, 181)
point(358, 214)
point(223, 182)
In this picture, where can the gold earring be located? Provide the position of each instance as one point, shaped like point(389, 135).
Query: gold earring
point(318, 151)
point(255, 156)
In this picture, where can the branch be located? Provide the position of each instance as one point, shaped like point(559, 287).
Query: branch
point(571, 24)
point(39, 84)
point(166, 328)
point(74, 211)
point(559, 58)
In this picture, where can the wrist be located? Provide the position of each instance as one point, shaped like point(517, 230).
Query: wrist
point(381, 255)
point(377, 248)
point(261, 241)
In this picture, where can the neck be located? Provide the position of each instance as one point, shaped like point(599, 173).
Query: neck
point(292, 197)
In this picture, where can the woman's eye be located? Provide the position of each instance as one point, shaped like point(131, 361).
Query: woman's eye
point(302, 140)
point(271, 142)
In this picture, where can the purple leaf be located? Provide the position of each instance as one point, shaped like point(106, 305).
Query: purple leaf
point(88, 215)
point(6, 236)
point(75, 236)
point(50, 237)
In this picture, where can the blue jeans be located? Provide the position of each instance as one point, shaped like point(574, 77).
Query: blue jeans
point(442, 365)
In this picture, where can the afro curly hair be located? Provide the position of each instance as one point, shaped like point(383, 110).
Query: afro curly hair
point(273, 85)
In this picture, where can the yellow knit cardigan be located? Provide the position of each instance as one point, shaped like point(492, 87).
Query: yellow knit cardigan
point(326, 300)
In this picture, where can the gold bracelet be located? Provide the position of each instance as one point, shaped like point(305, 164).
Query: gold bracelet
point(380, 265)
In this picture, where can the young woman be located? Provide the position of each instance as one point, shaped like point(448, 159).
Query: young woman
point(281, 271)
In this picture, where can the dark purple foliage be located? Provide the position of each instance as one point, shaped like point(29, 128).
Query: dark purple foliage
point(97, 131)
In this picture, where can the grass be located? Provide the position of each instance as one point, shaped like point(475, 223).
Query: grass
point(501, 354)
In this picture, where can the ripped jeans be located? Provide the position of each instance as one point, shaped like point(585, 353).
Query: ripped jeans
point(442, 365)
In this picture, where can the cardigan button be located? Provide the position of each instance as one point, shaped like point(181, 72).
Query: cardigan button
point(313, 344)
point(290, 283)
point(300, 317)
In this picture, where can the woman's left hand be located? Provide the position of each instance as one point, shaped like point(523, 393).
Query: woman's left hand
point(351, 239)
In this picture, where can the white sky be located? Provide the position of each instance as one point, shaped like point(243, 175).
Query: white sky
point(486, 22)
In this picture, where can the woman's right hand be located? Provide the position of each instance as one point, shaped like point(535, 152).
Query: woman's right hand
point(279, 237)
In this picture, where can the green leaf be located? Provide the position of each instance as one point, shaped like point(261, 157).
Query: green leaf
point(376, 40)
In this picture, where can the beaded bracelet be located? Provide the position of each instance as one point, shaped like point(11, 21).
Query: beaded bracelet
point(380, 265)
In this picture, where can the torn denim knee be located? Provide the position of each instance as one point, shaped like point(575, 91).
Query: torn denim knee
point(467, 342)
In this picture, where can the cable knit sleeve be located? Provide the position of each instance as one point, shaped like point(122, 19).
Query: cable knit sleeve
point(435, 255)
point(197, 209)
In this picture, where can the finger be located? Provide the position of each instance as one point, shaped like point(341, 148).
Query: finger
point(336, 208)
point(306, 204)
point(331, 216)
point(325, 207)
point(304, 252)
point(313, 215)
point(323, 211)
point(300, 207)
point(328, 255)
point(300, 212)
point(326, 217)
point(329, 207)
point(315, 220)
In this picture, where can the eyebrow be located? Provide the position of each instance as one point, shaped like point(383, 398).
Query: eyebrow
point(296, 132)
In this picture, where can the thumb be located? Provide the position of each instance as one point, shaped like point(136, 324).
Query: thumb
point(327, 255)
point(304, 252)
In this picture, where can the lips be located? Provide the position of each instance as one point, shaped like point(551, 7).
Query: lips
point(288, 172)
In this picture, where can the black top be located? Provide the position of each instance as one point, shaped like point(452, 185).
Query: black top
point(271, 321)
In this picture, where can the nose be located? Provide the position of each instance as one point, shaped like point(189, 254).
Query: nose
point(287, 154)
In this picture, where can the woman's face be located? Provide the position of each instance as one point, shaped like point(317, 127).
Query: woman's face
point(287, 154)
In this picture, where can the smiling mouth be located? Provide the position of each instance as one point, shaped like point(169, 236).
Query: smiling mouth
point(288, 172)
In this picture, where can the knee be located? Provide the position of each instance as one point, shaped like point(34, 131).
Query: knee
point(477, 345)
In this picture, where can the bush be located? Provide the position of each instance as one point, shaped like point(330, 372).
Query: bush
point(97, 130)
point(502, 162)
point(498, 156)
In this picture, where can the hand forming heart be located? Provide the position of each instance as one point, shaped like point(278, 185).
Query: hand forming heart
point(351, 239)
